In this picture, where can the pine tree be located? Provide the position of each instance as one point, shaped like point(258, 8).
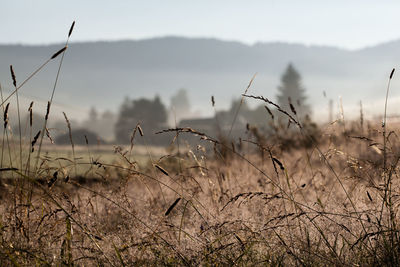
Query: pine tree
point(292, 91)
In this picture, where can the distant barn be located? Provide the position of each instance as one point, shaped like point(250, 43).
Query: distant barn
point(216, 127)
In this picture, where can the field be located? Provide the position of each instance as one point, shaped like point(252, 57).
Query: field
point(306, 194)
point(273, 202)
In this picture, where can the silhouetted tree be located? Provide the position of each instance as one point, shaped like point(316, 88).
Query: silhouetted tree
point(93, 115)
point(180, 102)
point(179, 107)
point(236, 103)
point(100, 123)
point(291, 90)
point(151, 114)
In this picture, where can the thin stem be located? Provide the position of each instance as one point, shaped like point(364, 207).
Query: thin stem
point(19, 121)
point(49, 106)
point(25, 81)
point(240, 104)
point(386, 180)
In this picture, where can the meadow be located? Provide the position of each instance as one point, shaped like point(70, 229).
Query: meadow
point(304, 195)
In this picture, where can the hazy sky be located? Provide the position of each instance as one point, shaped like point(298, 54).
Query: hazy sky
point(344, 23)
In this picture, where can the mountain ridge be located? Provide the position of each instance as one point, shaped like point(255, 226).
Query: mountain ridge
point(102, 73)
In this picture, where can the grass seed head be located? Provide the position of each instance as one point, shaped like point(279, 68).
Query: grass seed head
point(35, 140)
point(59, 52)
point(140, 130)
point(291, 106)
point(269, 112)
point(161, 169)
point(47, 110)
point(30, 109)
point(369, 196)
point(5, 117)
point(172, 206)
point(279, 163)
point(391, 74)
point(71, 29)
point(49, 136)
point(13, 76)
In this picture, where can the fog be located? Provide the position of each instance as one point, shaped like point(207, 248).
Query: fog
point(340, 58)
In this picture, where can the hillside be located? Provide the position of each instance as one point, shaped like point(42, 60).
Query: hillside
point(101, 74)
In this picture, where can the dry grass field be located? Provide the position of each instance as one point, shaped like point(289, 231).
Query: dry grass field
point(304, 195)
point(328, 202)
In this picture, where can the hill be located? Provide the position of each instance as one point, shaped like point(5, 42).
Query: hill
point(101, 74)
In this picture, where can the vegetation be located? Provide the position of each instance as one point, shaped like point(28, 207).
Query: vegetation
point(292, 93)
point(150, 114)
point(180, 106)
point(245, 202)
point(79, 137)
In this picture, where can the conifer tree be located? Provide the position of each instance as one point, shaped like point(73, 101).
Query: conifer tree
point(292, 91)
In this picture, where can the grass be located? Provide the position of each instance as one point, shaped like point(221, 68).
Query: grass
point(300, 196)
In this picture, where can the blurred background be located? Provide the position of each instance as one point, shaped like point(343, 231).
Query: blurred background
point(158, 63)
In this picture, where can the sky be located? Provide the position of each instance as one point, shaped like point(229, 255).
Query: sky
point(348, 24)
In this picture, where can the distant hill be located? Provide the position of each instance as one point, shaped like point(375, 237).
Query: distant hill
point(101, 74)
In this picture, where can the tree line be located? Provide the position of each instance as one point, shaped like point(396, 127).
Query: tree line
point(152, 114)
